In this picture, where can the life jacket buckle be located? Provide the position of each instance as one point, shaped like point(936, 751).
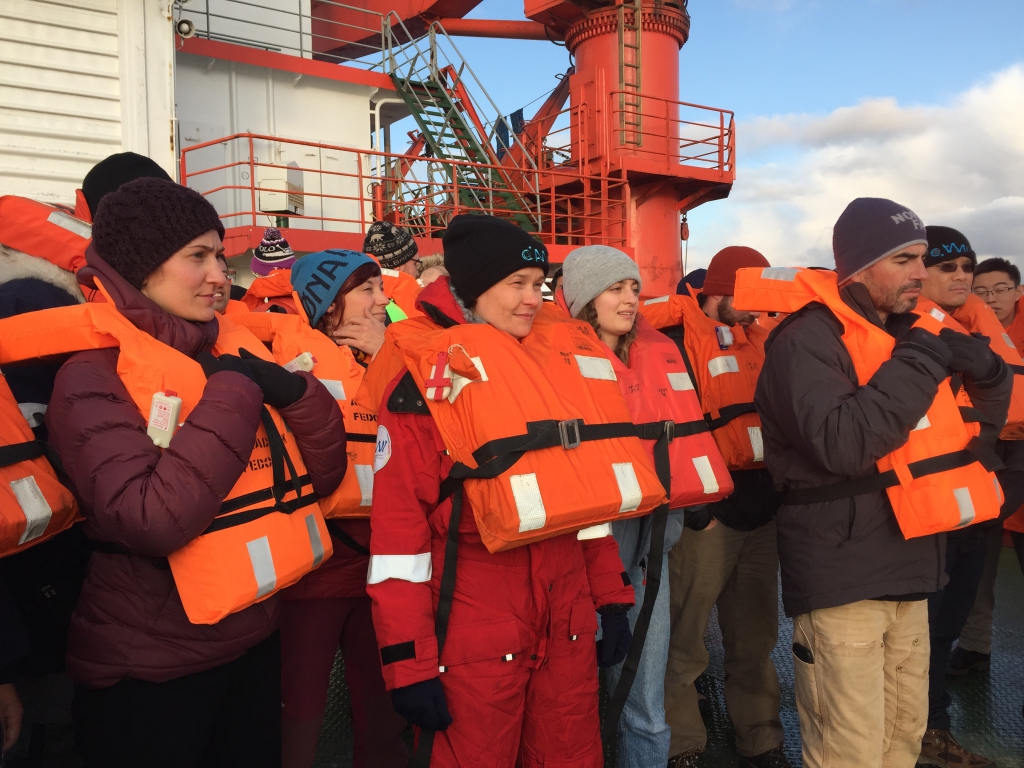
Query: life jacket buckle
point(670, 429)
point(569, 432)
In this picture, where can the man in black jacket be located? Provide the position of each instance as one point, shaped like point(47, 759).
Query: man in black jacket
point(855, 586)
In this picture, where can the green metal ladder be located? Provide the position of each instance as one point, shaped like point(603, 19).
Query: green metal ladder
point(433, 88)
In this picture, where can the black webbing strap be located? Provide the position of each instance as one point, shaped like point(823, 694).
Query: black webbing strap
point(976, 451)
point(281, 469)
point(354, 437)
point(728, 413)
point(18, 452)
point(989, 432)
point(341, 535)
point(421, 758)
point(655, 557)
point(678, 335)
point(1017, 369)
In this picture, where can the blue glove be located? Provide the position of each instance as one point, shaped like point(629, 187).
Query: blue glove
point(615, 640)
point(423, 704)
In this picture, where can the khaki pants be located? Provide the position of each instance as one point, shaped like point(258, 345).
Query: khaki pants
point(977, 633)
point(738, 570)
point(863, 702)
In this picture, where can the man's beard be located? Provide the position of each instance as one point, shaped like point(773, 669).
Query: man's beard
point(891, 301)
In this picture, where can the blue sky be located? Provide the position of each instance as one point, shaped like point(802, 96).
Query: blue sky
point(918, 100)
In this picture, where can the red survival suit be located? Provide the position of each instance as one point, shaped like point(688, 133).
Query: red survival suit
point(520, 666)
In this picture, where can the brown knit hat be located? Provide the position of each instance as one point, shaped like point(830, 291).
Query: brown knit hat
point(721, 277)
point(144, 222)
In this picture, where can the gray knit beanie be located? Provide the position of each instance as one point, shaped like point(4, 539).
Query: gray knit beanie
point(869, 230)
point(591, 270)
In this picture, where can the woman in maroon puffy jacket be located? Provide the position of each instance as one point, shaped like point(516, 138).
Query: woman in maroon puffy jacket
point(153, 688)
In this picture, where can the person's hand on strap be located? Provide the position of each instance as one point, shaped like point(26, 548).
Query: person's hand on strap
point(423, 704)
point(212, 365)
point(972, 356)
point(616, 638)
point(281, 388)
point(926, 343)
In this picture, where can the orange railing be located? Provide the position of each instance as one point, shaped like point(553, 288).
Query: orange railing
point(256, 180)
point(674, 132)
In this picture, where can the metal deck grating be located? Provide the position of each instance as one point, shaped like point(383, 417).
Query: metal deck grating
point(986, 707)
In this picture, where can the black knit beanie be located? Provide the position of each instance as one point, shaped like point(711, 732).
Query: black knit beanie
point(945, 243)
point(144, 222)
point(109, 174)
point(392, 246)
point(869, 230)
point(481, 251)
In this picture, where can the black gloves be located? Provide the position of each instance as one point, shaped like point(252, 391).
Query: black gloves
point(615, 640)
point(971, 356)
point(697, 518)
point(281, 388)
point(212, 365)
point(920, 340)
point(423, 704)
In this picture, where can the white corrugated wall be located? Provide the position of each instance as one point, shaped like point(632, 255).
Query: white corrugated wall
point(80, 80)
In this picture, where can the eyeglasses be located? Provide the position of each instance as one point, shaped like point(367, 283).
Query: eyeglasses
point(1001, 290)
point(949, 267)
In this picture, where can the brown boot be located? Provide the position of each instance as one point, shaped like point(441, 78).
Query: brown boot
point(938, 747)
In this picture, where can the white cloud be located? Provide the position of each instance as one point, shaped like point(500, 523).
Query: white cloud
point(959, 164)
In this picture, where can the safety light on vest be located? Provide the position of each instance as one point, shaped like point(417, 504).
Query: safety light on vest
point(163, 417)
point(725, 338)
point(303, 362)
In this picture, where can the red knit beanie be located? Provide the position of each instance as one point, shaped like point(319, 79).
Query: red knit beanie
point(721, 277)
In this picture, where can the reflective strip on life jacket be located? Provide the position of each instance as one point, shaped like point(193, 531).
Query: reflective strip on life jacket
point(943, 477)
point(725, 374)
point(290, 336)
point(658, 388)
point(269, 532)
point(44, 231)
point(34, 505)
point(542, 447)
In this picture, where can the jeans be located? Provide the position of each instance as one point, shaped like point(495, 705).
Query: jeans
point(947, 614)
point(643, 734)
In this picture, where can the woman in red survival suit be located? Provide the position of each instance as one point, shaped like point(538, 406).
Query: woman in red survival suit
point(534, 706)
point(343, 299)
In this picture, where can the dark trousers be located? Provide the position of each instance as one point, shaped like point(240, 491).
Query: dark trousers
point(1018, 545)
point(947, 614)
point(226, 717)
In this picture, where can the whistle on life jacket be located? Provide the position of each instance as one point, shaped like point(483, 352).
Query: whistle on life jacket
point(725, 338)
point(303, 362)
point(163, 417)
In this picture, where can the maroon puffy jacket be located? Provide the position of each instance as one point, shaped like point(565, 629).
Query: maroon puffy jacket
point(130, 621)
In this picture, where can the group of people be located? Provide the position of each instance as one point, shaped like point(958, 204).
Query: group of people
point(481, 498)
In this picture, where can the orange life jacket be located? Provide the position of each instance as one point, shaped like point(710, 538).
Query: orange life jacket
point(290, 337)
point(726, 363)
point(44, 231)
point(34, 505)
point(270, 532)
point(975, 316)
point(537, 428)
point(388, 362)
point(936, 481)
point(273, 290)
point(1016, 333)
point(402, 289)
point(658, 388)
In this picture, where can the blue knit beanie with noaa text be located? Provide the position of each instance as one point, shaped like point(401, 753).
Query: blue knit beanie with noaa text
point(317, 278)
